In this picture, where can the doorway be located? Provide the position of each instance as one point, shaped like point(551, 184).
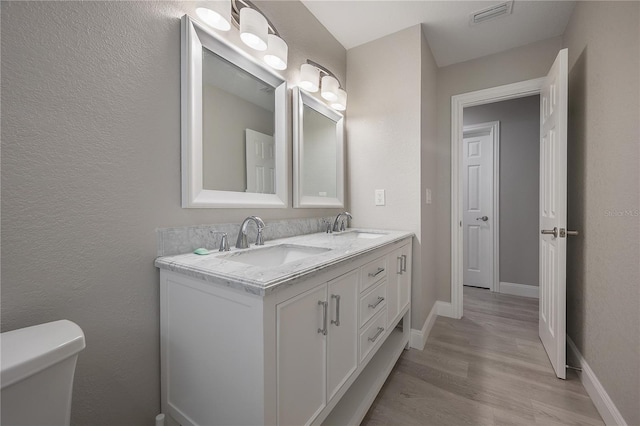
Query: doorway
point(501, 175)
point(458, 104)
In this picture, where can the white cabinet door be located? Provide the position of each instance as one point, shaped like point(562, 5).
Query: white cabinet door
point(342, 350)
point(399, 281)
point(301, 357)
point(395, 270)
point(404, 279)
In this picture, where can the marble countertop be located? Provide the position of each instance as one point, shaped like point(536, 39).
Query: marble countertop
point(219, 267)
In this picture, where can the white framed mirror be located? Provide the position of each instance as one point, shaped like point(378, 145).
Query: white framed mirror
point(318, 153)
point(233, 136)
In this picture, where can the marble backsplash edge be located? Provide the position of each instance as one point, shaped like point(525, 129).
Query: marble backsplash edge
point(185, 239)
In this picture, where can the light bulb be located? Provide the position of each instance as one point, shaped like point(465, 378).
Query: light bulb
point(309, 78)
point(330, 88)
point(276, 55)
point(253, 29)
point(340, 104)
point(218, 15)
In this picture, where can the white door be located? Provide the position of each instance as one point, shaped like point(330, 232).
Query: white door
point(301, 357)
point(477, 218)
point(261, 162)
point(553, 213)
point(342, 336)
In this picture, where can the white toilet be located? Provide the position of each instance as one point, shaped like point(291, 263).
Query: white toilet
point(36, 375)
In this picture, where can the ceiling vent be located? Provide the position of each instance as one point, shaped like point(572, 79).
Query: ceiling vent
point(491, 12)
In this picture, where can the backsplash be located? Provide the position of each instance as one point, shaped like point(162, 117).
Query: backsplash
point(188, 238)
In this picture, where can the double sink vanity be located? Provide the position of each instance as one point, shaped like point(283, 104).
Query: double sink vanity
point(300, 330)
point(304, 326)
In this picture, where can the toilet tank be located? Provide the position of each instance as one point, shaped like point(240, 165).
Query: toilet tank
point(36, 375)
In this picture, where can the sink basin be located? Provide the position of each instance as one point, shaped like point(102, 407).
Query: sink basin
point(361, 235)
point(275, 255)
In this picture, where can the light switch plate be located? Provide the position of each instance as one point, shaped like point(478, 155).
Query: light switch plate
point(428, 196)
point(379, 197)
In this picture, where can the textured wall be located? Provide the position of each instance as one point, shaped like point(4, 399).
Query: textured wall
point(428, 176)
point(519, 183)
point(603, 276)
point(384, 138)
point(91, 166)
point(391, 130)
point(522, 63)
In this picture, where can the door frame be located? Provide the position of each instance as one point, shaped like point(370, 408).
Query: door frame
point(493, 129)
point(458, 103)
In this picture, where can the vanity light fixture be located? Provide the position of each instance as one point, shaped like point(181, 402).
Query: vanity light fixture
point(330, 88)
point(257, 32)
point(217, 14)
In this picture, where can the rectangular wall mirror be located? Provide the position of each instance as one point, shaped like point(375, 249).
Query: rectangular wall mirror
point(234, 151)
point(318, 153)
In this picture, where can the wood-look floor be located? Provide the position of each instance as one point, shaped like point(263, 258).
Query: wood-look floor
point(489, 368)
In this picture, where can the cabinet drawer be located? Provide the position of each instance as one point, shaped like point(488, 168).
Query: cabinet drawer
point(373, 302)
point(373, 334)
point(373, 272)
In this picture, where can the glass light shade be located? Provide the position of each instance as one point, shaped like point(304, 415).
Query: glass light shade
point(217, 14)
point(309, 78)
point(340, 104)
point(277, 50)
point(330, 88)
point(253, 29)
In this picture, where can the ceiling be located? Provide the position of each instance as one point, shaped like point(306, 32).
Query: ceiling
point(445, 24)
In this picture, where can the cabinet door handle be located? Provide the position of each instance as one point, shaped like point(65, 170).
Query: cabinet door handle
point(376, 303)
point(400, 270)
point(404, 262)
point(378, 272)
point(375, 337)
point(323, 330)
point(337, 320)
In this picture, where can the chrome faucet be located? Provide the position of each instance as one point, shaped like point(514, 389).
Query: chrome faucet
point(338, 225)
point(241, 242)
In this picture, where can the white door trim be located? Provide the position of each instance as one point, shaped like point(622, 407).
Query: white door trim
point(493, 129)
point(458, 103)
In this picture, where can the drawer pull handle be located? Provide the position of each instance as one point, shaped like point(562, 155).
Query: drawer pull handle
point(378, 272)
point(376, 303)
point(337, 320)
point(404, 263)
point(323, 330)
point(375, 337)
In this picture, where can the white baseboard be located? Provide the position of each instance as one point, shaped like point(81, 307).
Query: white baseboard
point(596, 391)
point(445, 309)
point(519, 289)
point(418, 338)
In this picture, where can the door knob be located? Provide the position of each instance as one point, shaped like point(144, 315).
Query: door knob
point(566, 233)
point(483, 218)
point(553, 232)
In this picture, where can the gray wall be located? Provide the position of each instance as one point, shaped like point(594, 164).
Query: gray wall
point(519, 183)
point(385, 142)
point(225, 118)
point(522, 63)
point(603, 277)
point(91, 166)
point(428, 176)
